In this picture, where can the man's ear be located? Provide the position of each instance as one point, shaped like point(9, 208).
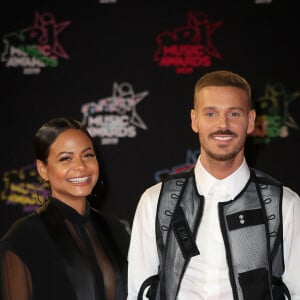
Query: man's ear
point(194, 123)
point(42, 169)
point(251, 121)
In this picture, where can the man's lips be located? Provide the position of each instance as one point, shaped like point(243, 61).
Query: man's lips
point(225, 135)
point(222, 137)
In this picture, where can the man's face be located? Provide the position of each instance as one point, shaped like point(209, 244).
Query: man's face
point(223, 119)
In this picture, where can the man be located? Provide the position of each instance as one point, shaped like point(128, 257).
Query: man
point(222, 230)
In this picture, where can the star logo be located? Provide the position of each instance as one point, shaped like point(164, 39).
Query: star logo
point(188, 46)
point(116, 116)
point(36, 46)
point(273, 114)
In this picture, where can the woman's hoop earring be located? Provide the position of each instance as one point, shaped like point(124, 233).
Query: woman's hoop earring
point(40, 191)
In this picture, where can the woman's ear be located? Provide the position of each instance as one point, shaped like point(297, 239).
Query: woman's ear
point(42, 169)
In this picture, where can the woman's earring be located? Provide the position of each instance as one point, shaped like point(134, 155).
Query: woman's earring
point(43, 192)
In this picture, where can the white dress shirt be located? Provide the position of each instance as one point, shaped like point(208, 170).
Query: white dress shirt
point(206, 276)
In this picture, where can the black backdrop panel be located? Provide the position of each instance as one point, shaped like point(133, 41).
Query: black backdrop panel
point(128, 69)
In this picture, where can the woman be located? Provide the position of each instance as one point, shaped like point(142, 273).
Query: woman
point(66, 249)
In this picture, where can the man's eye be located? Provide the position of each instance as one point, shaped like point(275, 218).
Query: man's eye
point(234, 114)
point(210, 114)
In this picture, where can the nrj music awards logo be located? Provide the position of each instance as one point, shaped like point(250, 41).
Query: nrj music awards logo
point(114, 117)
point(188, 47)
point(23, 187)
point(273, 118)
point(190, 161)
point(36, 46)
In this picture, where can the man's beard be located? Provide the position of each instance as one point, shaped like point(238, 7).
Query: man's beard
point(227, 156)
point(223, 157)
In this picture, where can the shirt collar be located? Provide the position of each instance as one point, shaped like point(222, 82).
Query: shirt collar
point(232, 184)
point(70, 213)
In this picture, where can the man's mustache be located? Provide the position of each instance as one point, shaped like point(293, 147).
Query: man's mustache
point(224, 132)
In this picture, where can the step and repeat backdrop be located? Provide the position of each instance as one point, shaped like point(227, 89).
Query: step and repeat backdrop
point(127, 70)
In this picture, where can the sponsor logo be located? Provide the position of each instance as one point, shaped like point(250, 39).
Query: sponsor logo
point(273, 118)
point(35, 47)
point(23, 186)
point(263, 1)
point(114, 117)
point(188, 47)
point(107, 1)
point(191, 159)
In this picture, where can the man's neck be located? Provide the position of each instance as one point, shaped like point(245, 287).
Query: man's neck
point(221, 169)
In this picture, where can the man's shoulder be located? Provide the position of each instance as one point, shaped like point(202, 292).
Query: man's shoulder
point(265, 178)
point(152, 191)
point(182, 174)
point(289, 193)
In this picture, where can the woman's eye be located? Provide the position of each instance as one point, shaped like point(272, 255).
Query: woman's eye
point(90, 155)
point(64, 158)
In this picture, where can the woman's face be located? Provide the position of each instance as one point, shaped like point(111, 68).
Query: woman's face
point(72, 169)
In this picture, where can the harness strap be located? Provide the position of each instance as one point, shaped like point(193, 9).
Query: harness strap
point(152, 282)
point(280, 289)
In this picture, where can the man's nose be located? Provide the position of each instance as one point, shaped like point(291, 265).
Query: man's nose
point(223, 121)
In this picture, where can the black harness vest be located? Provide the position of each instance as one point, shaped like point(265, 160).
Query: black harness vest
point(251, 226)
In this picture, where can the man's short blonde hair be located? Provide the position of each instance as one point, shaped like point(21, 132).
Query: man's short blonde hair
point(223, 78)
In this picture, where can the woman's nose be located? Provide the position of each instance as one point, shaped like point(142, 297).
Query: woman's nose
point(79, 164)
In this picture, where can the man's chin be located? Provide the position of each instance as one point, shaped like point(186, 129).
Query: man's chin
point(222, 157)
